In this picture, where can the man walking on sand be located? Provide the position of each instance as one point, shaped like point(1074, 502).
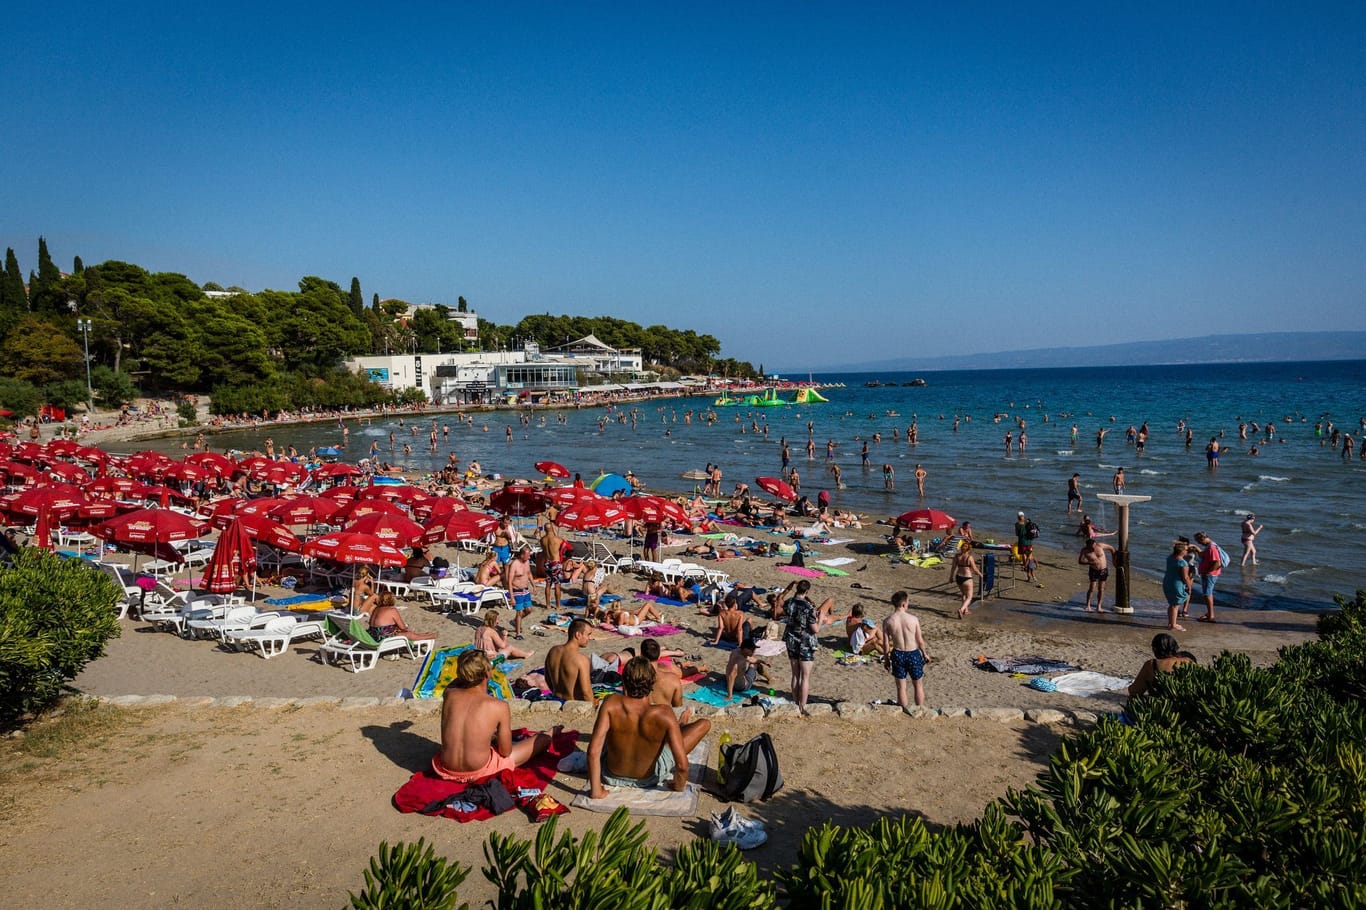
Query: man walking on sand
point(517, 581)
point(567, 668)
point(1095, 556)
point(909, 655)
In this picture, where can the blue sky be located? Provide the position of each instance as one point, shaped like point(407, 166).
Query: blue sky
point(815, 185)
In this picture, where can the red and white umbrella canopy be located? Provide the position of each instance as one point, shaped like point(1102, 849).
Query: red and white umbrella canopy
point(281, 472)
point(63, 446)
point(553, 469)
point(67, 472)
point(189, 472)
point(343, 493)
point(926, 520)
point(352, 548)
point(148, 464)
point(221, 465)
point(148, 526)
point(303, 510)
point(359, 508)
point(57, 499)
point(438, 507)
point(116, 486)
point(398, 492)
point(398, 530)
point(656, 509)
point(519, 501)
point(779, 488)
point(567, 496)
point(265, 529)
point(337, 469)
point(466, 525)
point(18, 472)
point(592, 513)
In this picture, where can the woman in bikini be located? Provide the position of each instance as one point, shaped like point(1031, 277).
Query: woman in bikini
point(964, 570)
point(385, 621)
point(491, 640)
point(489, 572)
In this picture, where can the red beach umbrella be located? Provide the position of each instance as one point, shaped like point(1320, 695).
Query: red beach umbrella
point(592, 513)
point(148, 464)
point(519, 501)
point(58, 500)
point(18, 472)
point(399, 530)
point(116, 486)
point(359, 508)
point(466, 525)
point(337, 469)
point(926, 520)
point(233, 557)
point(303, 510)
point(63, 446)
point(267, 530)
point(164, 494)
point(280, 472)
point(67, 472)
point(655, 508)
point(438, 507)
point(189, 472)
point(342, 493)
point(399, 492)
point(779, 488)
point(352, 548)
point(253, 463)
point(567, 496)
point(90, 455)
point(150, 526)
point(221, 465)
point(553, 469)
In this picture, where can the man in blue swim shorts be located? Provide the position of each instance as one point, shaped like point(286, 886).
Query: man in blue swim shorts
point(517, 580)
point(907, 642)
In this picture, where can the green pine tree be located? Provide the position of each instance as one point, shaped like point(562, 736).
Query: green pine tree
point(13, 300)
point(374, 303)
point(44, 289)
point(357, 299)
point(77, 266)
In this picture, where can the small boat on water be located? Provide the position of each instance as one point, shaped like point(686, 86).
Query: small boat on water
point(917, 382)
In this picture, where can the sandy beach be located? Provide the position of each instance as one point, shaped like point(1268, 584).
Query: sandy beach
point(305, 778)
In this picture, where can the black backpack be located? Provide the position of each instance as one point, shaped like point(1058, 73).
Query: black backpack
point(751, 770)
point(1031, 530)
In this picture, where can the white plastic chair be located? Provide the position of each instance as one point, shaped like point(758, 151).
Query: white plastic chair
point(278, 634)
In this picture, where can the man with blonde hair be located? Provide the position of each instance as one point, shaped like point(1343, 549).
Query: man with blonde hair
point(476, 728)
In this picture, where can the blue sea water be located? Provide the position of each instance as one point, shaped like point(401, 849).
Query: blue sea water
point(1311, 503)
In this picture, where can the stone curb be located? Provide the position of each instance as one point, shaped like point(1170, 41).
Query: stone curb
point(857, 712)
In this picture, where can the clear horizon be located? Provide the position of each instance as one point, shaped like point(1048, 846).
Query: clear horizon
point(814, 184)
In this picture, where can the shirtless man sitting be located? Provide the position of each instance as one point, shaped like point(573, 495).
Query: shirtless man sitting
point(864, 636)
point(637, 744)
point(476, 728)
point(744, 668)
point(731, 624)
point(567, 669)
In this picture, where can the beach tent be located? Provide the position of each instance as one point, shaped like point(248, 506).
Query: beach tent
point(609, 484)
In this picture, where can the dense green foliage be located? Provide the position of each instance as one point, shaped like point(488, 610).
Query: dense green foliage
point(1230, 786)
point(56, 615)
point(262, 350)
point(410, 875)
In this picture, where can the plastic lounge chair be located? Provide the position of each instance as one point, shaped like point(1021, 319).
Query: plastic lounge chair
point(360, 650)
point(469, 599)
point(278, 634)
point(237, 618)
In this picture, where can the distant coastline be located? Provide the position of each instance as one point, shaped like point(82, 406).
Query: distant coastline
point(1268, 347)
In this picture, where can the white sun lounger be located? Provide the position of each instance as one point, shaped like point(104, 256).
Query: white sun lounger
point(276, 637)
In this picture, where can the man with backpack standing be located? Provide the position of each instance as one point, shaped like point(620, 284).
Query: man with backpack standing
point(1026, 532)
point(1210, 566)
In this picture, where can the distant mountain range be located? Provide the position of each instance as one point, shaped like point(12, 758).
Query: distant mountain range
point(1270, 346)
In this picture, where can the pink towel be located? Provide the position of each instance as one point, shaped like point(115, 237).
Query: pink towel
point(799, 570)
point(660, 630)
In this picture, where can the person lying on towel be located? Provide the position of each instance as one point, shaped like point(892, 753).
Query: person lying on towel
point(476, 728)
point(637, 744)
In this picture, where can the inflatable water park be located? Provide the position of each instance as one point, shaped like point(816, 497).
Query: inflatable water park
point(770, 399)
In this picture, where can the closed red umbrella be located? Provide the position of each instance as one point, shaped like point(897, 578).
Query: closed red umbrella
point(926, 520)
point(234, 557)
point(553, 469)
point(519, 501)
point(399, 530)
point(779, 488)
point(592, 513)
point(466, 525)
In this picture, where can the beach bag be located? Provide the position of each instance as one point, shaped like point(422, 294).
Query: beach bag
point(1031, 530)
point(1223, 557)
point(751, 770)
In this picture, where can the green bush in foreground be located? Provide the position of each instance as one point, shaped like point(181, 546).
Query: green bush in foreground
point(56, 615)
point(1232, 786)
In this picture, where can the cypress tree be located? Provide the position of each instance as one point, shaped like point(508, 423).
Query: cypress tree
point(13, 300)
point(374, 304)
point(77, 266)
point(357, 299)
point(44, 291)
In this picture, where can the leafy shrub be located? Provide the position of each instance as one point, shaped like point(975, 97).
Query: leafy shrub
point(112, 389)
point(1230, 786)
point(56, 615)
point(188, 413)
point(410, 875)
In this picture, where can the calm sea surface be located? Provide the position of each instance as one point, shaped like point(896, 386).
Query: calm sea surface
point(1311, 503)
